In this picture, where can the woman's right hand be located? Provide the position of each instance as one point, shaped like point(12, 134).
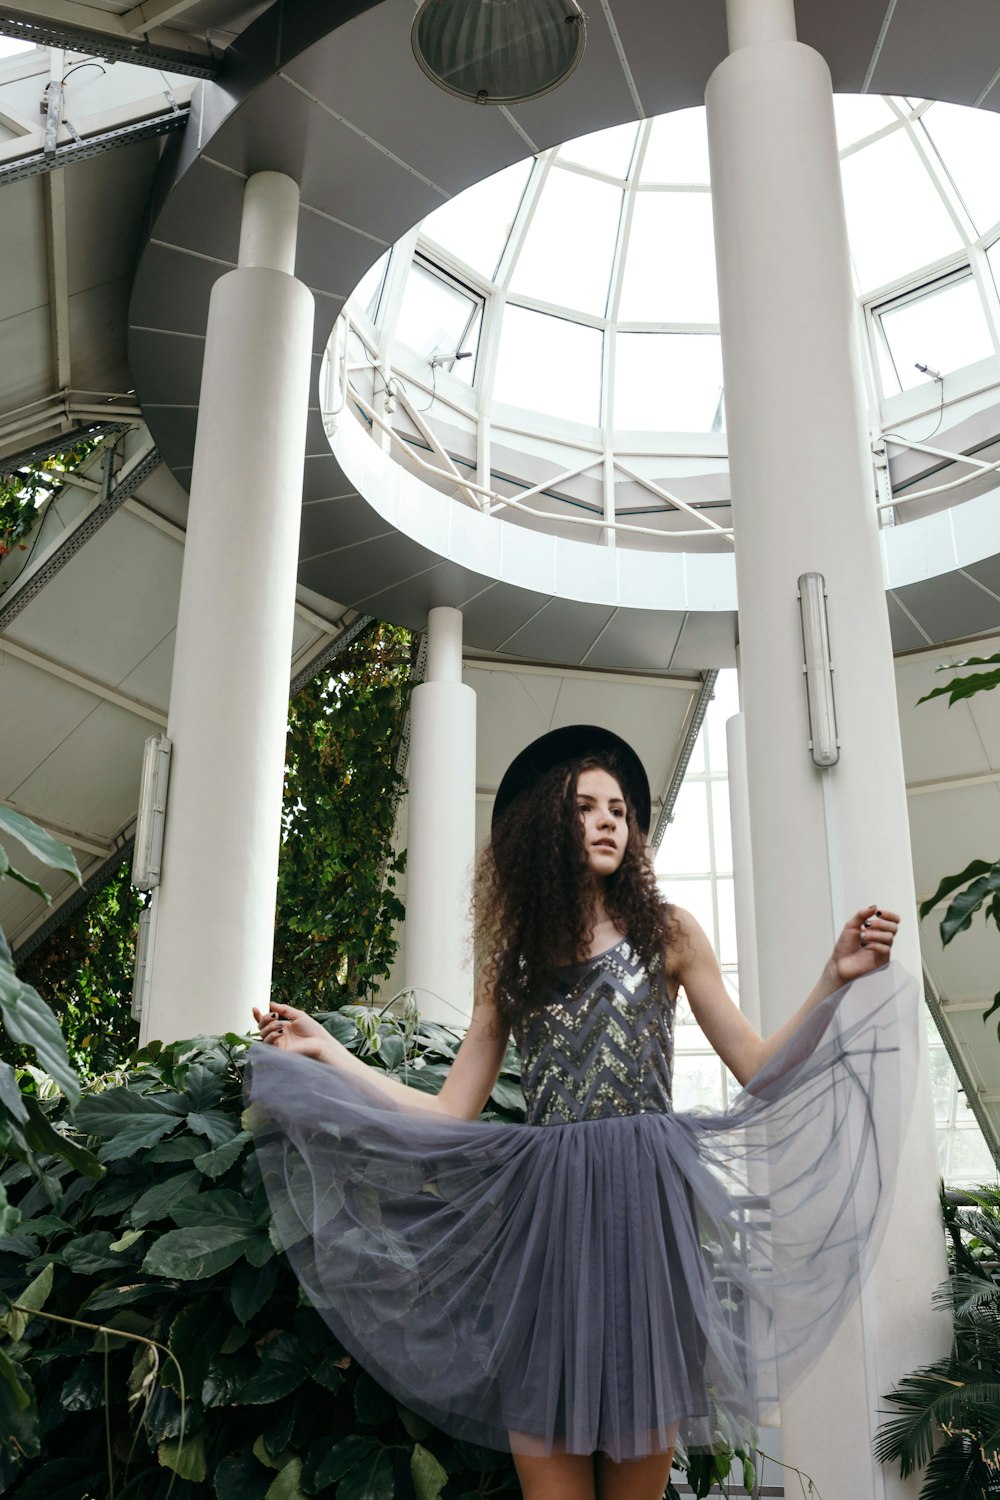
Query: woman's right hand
point(296, 1031)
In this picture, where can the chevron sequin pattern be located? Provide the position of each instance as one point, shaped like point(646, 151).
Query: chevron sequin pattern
point(604, 1044)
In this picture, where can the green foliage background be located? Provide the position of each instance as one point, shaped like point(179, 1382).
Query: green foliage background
point(336, 904)
point(172, 1244)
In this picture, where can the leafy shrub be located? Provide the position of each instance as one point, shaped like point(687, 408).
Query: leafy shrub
point(950, 1409)
point(173, 1245)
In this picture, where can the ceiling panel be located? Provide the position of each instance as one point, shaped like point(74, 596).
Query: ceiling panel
point(91, 780)
point(111, 604)
point(46, 712)
point(935, 50)
point(24, 284)
point(463, 145)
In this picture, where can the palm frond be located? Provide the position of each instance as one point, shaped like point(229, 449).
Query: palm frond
point(957, 1470)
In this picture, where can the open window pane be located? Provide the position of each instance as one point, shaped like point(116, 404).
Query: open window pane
point(476, 225)
point(944, 330)
point(677, 149)
point(667, 382)
point(436, 317)
point(670, 264)
point(550, 365)
point(570, 244)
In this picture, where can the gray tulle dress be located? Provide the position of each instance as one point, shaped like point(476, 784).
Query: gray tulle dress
point(610, 1272)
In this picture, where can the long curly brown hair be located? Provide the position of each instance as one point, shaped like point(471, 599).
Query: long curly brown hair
point(534, 893)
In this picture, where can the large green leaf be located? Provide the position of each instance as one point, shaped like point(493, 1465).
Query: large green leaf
point(331, 1458)
point(29, 1022)
point(371, 1480)
point(287, 1484)
point(10, 1093)
point(215, 1206)
point(960, 913)
point(42, 1136)
point(250, 1288)
point(217, 1126)
point(131, 1121)
point(241, 1477)
point(965, 687)
point(192, 1254)
point(32, 1299)
point(187, 1458)
point(156, 1202)
point(284, 1364)
point(215, 1163)
point(202, 1085)
point(89, 1254)
point(429, 1477)
point(47, 850)
point(952, 882)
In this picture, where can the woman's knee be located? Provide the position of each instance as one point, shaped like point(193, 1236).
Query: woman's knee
point(633, 1479)
point(561, 1476)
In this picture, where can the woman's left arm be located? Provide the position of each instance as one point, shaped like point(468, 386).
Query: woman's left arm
point(864, 944)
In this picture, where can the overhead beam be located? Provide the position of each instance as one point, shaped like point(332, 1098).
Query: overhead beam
point(90, 843)
point(76, 679)
point(142, 19)
point(35, 163)
point(84, 28)
point(951, 783)
point(137, 472)
point(54, 194)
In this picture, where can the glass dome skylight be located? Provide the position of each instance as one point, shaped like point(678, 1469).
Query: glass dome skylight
point(567, 308)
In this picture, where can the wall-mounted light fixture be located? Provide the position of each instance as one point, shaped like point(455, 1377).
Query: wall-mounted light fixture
point(498, 51)
point(818, 671)
point(152, 812)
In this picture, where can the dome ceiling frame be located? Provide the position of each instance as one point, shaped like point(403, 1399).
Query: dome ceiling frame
point(374, 150)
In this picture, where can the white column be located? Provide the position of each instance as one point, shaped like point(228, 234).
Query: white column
point(441, 842)
point(823, 843)
point(214, 917)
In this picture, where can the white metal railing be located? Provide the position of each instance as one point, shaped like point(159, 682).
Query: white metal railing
point(342, 390)
point(979, 467)
point(441, 468)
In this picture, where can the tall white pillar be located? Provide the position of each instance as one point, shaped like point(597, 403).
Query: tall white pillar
point(824, 842)
point(213, 923)
point(441, 843)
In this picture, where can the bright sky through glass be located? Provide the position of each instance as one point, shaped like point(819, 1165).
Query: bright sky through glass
point(476, 225)
point(568, 249)
point(896, 219)
point(550, 365)
point(944, 330)
point(596, 267)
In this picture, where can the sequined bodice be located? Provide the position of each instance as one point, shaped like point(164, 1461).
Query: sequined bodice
point(603, 1045)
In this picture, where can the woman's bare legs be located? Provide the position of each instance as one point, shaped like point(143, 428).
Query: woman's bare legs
point(635, 1479)
point(575, 1476)
point(562, 1476)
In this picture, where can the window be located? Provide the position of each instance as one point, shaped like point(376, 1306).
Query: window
point(440, 318)
point(943, 327)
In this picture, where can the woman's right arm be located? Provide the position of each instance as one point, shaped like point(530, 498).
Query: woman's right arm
point(470, 1079)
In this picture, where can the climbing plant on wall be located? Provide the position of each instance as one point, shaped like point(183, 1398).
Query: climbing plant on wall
point(337, 905)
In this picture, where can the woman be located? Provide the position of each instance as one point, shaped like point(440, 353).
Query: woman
point(581, 1293)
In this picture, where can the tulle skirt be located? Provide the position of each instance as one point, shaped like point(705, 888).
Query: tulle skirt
point(605, 1284)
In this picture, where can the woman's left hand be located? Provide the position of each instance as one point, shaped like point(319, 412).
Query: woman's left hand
point(865, 943)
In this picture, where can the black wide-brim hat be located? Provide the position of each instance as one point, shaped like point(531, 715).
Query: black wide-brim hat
point(573, 742)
